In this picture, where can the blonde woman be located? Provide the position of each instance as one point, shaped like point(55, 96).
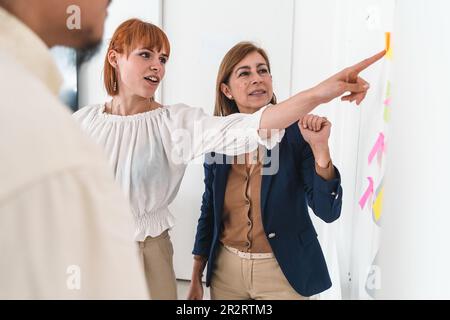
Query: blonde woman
point(254, 230)
point(149, 144)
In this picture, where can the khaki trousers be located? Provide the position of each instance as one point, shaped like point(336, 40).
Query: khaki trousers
point(156, 254)
point(236, 278)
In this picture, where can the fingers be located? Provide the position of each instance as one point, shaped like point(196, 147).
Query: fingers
point(313, 122)
point(307, 121)
point(355, 87)
point(358, 97)
point(359, 93)
point(346, 80)
point(304, 121)
point(357, 68)
point(319, 123)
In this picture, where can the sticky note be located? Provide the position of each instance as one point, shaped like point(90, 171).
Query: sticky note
point(367, 193)
point(388, 89)
point(386, 114)
point(388, 45)
point(378, 148)
point(378, 204)
point(388, 40)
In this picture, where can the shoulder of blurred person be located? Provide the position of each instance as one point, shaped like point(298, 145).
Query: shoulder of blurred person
point(65, 227)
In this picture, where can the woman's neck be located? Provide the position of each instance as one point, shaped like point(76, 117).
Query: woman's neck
point(124, 105)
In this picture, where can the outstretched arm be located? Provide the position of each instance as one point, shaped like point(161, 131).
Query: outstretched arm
point(291, 110)
point(194, 133)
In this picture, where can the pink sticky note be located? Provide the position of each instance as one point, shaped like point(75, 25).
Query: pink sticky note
point(377, 148)
point(367, 193)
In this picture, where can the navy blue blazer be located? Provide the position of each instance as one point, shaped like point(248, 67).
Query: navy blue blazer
point(284, 200)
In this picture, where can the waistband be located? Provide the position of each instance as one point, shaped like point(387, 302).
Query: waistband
point(163, 235)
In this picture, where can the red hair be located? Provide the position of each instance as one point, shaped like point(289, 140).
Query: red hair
point(128, 36)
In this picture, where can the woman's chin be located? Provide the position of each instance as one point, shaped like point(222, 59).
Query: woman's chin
point(260, 104)
point(146, 94)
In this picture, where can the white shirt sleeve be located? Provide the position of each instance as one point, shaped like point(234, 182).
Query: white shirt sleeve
point(195, 133)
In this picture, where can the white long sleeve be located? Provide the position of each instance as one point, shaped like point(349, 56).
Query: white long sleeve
point(194, 133)
point(149, 152)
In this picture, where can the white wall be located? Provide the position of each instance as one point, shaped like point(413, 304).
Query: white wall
point(415, 254)
point(328, 36)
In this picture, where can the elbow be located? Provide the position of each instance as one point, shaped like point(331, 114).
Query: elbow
point(330, 214)
point(331, 218)
point(335, 212)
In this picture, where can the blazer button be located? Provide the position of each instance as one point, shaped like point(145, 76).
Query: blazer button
point(271, 235)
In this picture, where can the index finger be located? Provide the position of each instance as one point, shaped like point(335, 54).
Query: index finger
point(357, 68)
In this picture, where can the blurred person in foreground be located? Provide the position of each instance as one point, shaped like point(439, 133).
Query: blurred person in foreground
point(65, 227)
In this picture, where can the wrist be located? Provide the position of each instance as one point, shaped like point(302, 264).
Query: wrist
point(321, 155)
point(313, 97)
point(198, 270)
point(197, 274)
point(199, 266)
point(320, 149)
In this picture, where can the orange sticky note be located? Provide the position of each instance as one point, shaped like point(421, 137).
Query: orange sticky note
point(388, 45)
point(388, 40)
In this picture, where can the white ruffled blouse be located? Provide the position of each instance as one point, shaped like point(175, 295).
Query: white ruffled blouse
point(149, 152)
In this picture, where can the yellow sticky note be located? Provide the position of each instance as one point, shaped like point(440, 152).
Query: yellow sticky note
point(378, 205)
point(386, 114)
point(389, 54)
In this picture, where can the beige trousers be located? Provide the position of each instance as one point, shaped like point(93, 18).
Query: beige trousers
point(156, 254)
point(236, 278)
